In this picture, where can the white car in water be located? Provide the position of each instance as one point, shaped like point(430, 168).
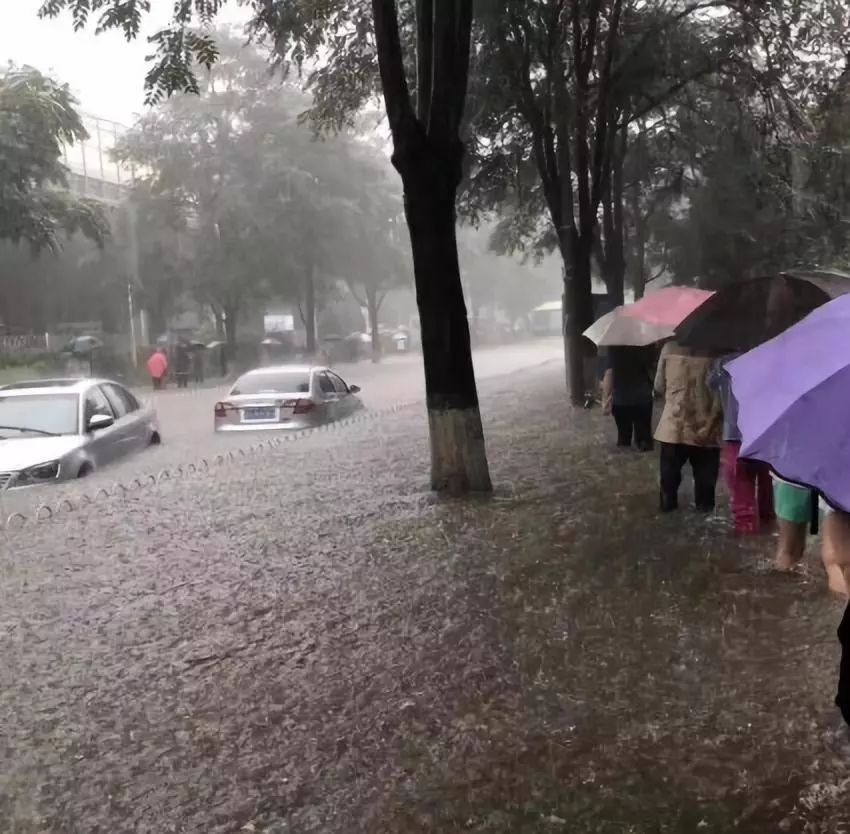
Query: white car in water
point(57, 429)
point(286, 397)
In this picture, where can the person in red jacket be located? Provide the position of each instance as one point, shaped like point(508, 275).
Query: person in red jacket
point(158, 368)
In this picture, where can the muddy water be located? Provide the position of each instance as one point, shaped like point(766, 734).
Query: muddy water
point(675, 681)
point(312, 644)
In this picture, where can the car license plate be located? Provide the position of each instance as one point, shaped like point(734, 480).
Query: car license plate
point(259, 414)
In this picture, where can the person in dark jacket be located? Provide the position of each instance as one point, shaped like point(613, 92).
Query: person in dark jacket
point(628, 390)
point(182, 361)
point(197, 364)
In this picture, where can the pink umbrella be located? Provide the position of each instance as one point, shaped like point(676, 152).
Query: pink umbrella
point(667, 307)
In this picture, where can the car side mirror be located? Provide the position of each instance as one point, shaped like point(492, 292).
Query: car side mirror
point(353, 389)
point(97, 422)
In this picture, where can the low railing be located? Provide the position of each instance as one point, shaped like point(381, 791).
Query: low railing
point(20, 343)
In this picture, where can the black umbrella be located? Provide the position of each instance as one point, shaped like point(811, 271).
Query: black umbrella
point(744, 314)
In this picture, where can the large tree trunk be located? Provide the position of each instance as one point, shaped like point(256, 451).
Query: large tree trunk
point(458, 454)
point(613, 225)
point(640, 219)
point(428, 154)
point(640, 237)
point(579, 311)
point(310, 310)
point(230, 316)
point(373, 306)
point(219, 324)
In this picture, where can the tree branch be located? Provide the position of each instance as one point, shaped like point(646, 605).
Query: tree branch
point(662, 269)
point(541, 133)
point(602, 145)
point(657, 100)
point(424, 58)
point(391, 65)
point(703, 5)
point(581, 72)
point(355, 296)
point(451, 44)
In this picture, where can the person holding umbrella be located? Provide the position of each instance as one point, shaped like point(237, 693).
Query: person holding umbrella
point(182, 364)
point(197, 363)
point(158, 368)
point(748, 482)
point(631, 332)
point(794, 416)
point(793, 395)
point(689, 429)
point(627, 393)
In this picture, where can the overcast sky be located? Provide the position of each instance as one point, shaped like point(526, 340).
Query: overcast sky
point(105, 72)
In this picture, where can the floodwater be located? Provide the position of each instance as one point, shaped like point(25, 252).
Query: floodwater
point(185, 419)
point(310, 643)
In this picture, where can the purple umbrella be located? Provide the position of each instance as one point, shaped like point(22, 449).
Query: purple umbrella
point(793, 396)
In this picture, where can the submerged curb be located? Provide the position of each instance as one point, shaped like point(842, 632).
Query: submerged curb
point(47, 511)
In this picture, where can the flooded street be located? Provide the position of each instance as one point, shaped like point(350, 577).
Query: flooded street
point(501, 619)
point(312, 643)
point(186, 421)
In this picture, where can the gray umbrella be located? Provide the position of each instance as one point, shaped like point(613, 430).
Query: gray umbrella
point(82, 345)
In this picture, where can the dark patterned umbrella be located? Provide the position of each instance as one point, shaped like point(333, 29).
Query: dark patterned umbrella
point(742, 315)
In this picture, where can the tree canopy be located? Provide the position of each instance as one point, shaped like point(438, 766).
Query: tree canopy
point(266, 208)
point(38, 116)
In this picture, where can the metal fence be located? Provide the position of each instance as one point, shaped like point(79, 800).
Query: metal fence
point(23, 343)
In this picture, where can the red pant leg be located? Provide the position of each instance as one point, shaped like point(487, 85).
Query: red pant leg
point(741, 480)
point(728, 459)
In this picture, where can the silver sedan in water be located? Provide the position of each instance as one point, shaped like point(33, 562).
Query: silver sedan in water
point(56, 429)
point(286, 397)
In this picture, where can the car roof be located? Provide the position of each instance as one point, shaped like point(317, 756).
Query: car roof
point(70, 385)
point(279, 369)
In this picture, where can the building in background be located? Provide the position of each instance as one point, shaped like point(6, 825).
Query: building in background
point(94, 172)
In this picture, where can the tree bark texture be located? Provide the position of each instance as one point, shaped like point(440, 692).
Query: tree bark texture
point(614, 254)
point(575, 299)
point(579, 298)
point(458, 454)
point(640, 238)
point(428, 154)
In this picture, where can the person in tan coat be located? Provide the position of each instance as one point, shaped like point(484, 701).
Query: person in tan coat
point(690, 428)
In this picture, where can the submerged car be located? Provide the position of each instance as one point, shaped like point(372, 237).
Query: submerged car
point(286, 397)
point(58, 429)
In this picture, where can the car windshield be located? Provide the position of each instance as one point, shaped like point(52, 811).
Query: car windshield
point(38, 414)
point(274, 382)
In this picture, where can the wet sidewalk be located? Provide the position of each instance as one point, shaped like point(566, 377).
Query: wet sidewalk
point(311, 643)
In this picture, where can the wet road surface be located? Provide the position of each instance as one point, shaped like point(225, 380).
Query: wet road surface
point(313, 644)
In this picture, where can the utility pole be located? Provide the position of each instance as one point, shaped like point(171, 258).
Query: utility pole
point(133, 276)
point(133, 349)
